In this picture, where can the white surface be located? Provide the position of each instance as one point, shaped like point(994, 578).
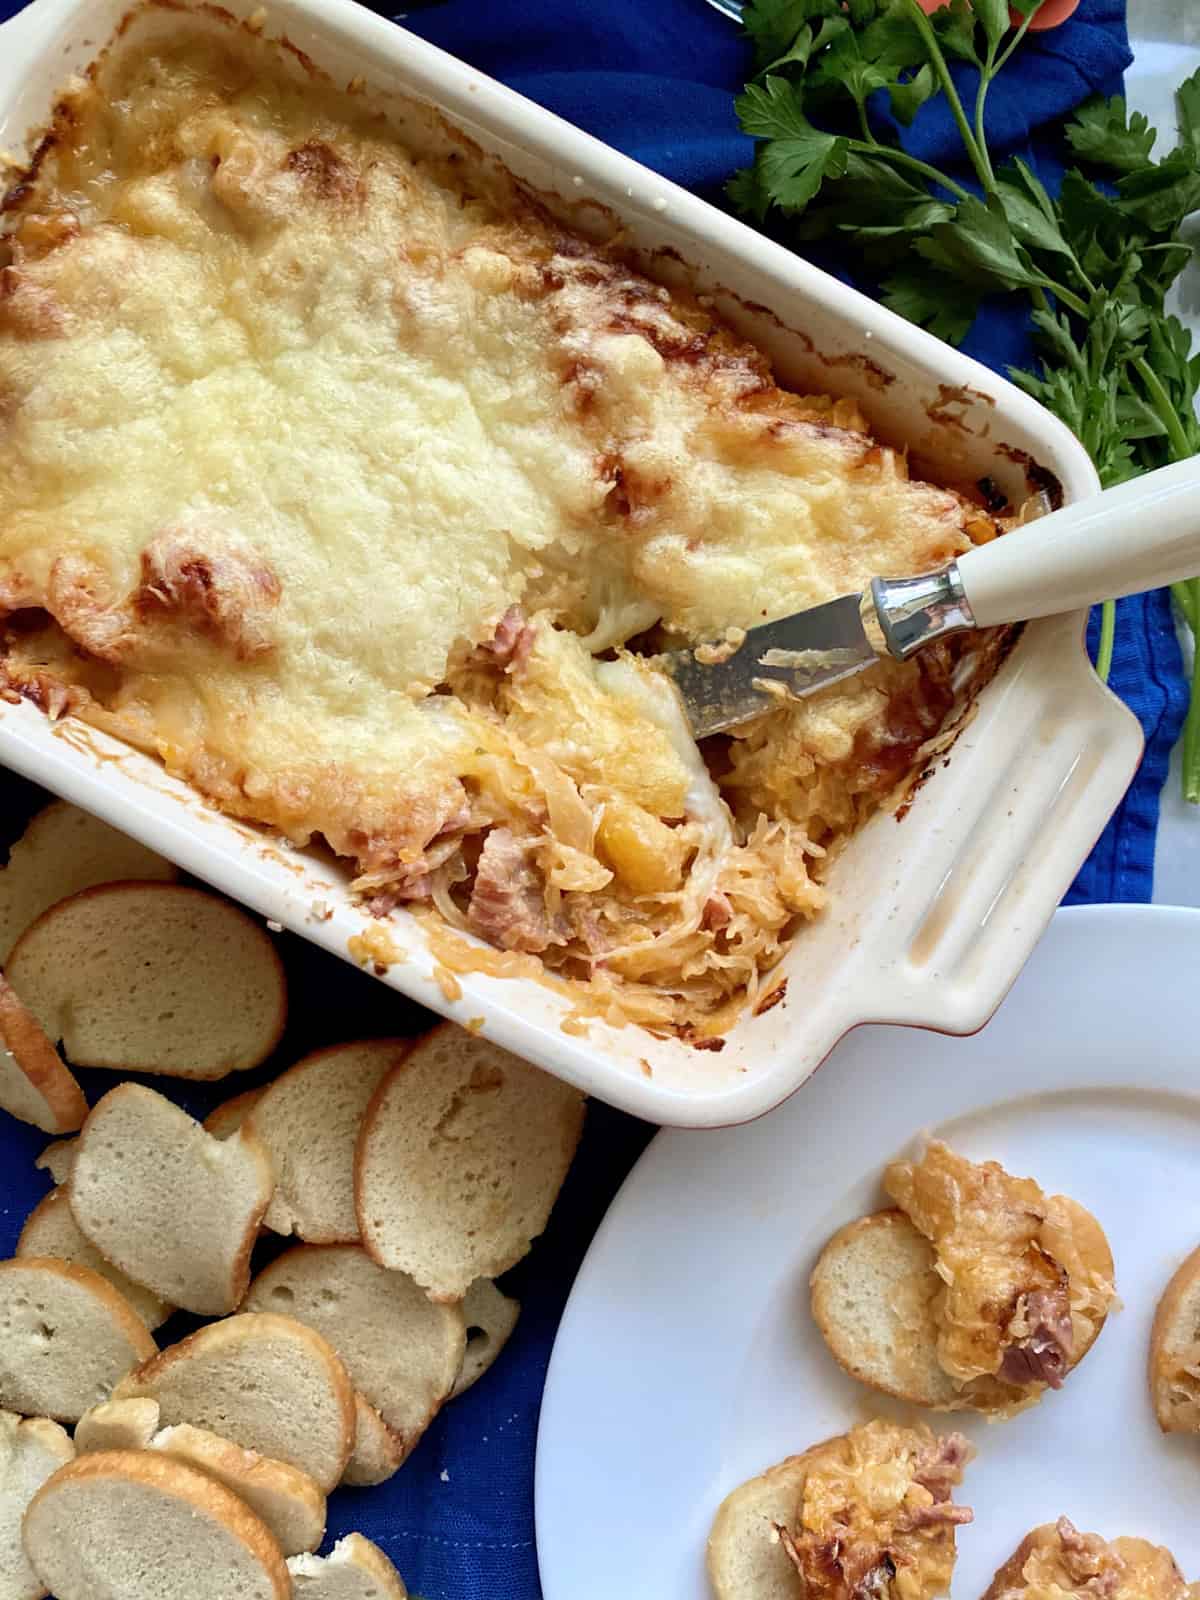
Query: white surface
point(1140, 535)
point(929, 924)
point(1166, 44)
point(687, 1360)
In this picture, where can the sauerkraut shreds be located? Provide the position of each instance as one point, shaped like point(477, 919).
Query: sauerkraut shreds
point(342, 477)
point(876, 1518)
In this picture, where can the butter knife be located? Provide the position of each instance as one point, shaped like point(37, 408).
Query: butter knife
point(1140, 535)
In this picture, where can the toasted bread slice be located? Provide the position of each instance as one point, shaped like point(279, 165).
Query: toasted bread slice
point(146, 1527)
point(874, 1298)
point(224, 1120)
point(490, 1318)
point(117, 1425)
point(286, 1499)
point(176, 1209)
point(1056, 1559)
point(837, 1533)
point(31, 1450)
point(308, 1119)
point(873, 1291)
point(1174, 1390)
point(66, 1337)
point(51, 1230)
point(461, 1156)
point(402, 1352)
point(356, 1570)
point(57, 1159)
point(378, 1452)
point(62, 851)
point(35, 1084)
point(266, 1382)
point(152, 977)
point(746, 1560)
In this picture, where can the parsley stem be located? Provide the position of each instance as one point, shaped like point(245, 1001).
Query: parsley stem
point(1186, 601)
point(1068, 297)
point(886, 152)
point(987, 73)
point(938, 61)
point(1108, 632)
point(1013, 43)
point(1181, 447)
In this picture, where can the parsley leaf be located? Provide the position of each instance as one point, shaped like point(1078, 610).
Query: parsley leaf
point(774, 24)
point(955, 28)
point(794, 169)
point(993, 14)
point(1104, 134)
point(908, 95)
point(1076, 383)
point(748, 194)
point(796, 158)
point(1034, 225)
point(1187, 104)
point(893, 41)
point(807, 42)
point(845, 68)
point(1161, 196)
point(773, 109)
point(944, 305)
point(979, 245)
point(872, 203)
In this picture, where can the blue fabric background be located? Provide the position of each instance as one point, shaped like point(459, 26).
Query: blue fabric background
point(653, 77)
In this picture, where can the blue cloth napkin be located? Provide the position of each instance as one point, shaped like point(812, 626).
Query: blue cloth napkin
point(654, 78)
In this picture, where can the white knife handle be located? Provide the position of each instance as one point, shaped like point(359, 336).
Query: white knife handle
point(1142, 535)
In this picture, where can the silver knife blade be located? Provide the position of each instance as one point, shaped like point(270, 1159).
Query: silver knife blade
point(724, 683)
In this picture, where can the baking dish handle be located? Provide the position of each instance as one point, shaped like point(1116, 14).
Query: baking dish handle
point(1011, 834)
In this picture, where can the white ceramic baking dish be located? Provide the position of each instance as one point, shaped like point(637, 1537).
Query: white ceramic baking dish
point(934, 913)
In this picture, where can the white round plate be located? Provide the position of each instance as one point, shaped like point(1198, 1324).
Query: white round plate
point(687, 1360)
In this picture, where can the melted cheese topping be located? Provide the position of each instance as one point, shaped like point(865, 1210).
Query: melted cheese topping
point(1056, 1562)
point(999, 1244)
point(291, 419)
point(868, 1526)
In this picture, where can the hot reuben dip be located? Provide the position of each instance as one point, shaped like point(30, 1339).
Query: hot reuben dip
point(341, 477)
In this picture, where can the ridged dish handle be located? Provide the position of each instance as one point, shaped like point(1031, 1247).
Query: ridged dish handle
point(1141, 535)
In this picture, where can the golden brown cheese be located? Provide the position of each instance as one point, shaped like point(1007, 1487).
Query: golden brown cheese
point(875, 1519)
point(326, 470)
point(1057, 1562)
point(1026, 1278)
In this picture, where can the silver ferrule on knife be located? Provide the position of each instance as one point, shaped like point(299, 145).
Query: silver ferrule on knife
point(913, 612)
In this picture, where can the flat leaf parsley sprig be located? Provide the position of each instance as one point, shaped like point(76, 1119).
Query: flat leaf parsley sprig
point(1094, 262)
